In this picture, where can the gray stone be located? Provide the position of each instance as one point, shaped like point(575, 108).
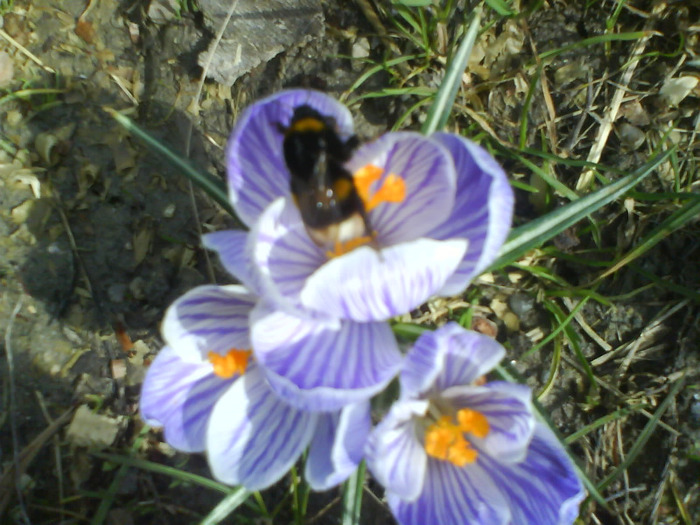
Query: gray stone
point(257, 32)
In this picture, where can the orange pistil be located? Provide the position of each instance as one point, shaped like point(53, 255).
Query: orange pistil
point(445, 440)
point(393, 188)
point(232, 363)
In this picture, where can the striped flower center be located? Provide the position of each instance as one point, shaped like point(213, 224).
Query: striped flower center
point(231, 363)
point(445, 439)
point(392, 189)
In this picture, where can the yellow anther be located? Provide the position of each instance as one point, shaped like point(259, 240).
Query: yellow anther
point(364, 177)
point(445, 440)
point(393, 188)
point(232, 363)
point(473, 421)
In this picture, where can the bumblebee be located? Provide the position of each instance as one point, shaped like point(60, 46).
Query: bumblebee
point(323, 189)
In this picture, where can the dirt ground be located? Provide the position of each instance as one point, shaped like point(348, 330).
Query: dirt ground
point(99, 234)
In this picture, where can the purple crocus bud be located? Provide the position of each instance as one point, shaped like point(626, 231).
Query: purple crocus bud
point(210, 396)
point(455, 449)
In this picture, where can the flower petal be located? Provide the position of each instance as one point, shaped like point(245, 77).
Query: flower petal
point(283, 252)
point(508, 409)
point(394, 455)
point(180, 396)
point(254, 437)
point(453, 495)
point(337, 446)
point(369, 285)
point(318, 365)
point(544, 488)
point(429, 175)
point(230, 245)
point(209, 319)
point(257, 173)
point(483, 209)
point(449, 356)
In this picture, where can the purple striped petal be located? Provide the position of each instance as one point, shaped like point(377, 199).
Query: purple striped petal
point(323, 365)
point(508, 409)
point(370, 285)
point(283, 252)
point(482, 212)
point(544, 488)
point(231, 245)
point(337, 446)
point(394, 455)
point(455, 496)
point(209, 319)
point(449, 356)
point(429, 175)
point(180, 396)
point(254, 437)
point(257, 173)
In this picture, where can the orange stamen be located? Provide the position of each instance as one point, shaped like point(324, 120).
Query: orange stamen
point(473, 421)
point(232, 363)
point(444, 440)
point(341, 248)
point(393, 188)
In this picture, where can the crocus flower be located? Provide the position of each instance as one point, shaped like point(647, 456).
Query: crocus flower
point(455, 449)
point(209, 396)
point(439, 208)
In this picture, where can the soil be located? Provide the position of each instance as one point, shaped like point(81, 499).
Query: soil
point(99, 234)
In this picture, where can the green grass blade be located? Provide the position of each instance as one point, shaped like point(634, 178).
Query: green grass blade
point(226, 506)
point(676, 220)
point(442, 106)
point(352, 497)
point(501, 7)
point(607, 418)
point(537, 232)
point(646, 433)
point(213, 186)
point(600, 39)
point(172, 472)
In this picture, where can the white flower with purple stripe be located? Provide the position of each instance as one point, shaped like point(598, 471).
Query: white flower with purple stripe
point(210, 397)
point(454, 449)
point(439, 209)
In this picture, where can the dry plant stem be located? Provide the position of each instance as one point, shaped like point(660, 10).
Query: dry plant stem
point(373, 19)
point(14, 473)
point(614, 390)
point(571, 144)
point(646, 333)
point(546, 95)
point(27, 456)
point(486, 127)
point(57, 453)
point(570, 305)
point(601, 139)
point(26, 52)
point(195, 111)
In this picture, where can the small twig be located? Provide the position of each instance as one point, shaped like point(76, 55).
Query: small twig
point(26, 51)
point(610, 116)
point(584, 114)
point(570, 305)
point(546, 95)
point(195, 111)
